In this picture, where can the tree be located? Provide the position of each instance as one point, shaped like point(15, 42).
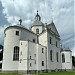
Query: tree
point(1, 47)
point(73, 61)
point(1, 52)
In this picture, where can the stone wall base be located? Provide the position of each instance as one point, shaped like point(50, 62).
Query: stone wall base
point(32, 71)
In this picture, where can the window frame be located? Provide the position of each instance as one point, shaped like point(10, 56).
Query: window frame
point(34, 40)
point(50, 40)
point(56, 44)
point(16, 53)
point(30, 57)
point(63, 58)
point(42, 50)
point(17, 33)
point(30, 64)
point(42, 63)
point(37, 31)
point(51, 55)
point(57, 57)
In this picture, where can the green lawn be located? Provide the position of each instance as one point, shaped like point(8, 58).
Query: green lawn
point(51, 73)
point(9, 74)
point(58, 73)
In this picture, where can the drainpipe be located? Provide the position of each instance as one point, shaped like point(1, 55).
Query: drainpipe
point(28, 58)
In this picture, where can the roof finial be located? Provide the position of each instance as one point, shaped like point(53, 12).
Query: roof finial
point(20, 21)
point(37, 12)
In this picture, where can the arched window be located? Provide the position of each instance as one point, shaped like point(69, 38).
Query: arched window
point(63, 58)
point(56, 43)
point(51, 55)
point(16, 53)
point(37, 31)
point(50, 40)
point(57, 56)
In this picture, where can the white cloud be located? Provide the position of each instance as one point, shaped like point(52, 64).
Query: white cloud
point(2, 33)
point(63, 14)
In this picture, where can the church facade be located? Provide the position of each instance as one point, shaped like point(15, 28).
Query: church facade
point(34, 50)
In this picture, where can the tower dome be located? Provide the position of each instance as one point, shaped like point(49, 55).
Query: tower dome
point(37, 26)
point(37, 17)
point(37, 20)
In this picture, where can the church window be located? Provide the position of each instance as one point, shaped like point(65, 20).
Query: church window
point(30, 57)
point(33, 40)
point(16, 53)
point(57, 56)
point(30, 64)
point(17, 33)
point(51, 55)
point(63, 58)
point(42, 63)
point(56, 43)
point(42, 50)
point(37, 31)
point(50, 40)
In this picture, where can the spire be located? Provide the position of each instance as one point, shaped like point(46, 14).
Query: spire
point(20, 21)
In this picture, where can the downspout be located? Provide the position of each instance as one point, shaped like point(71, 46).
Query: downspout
point(47, 50)
point(28, 58)
point(46, 59)
point(37, 39)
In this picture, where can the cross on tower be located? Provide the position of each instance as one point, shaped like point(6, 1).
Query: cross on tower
point(20, 21)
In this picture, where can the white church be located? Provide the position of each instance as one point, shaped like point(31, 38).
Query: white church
point(34, 50)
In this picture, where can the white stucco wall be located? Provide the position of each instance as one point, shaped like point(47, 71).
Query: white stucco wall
point(31, 52)
point(39, 27)
point(43, 39)
point(23, 55)
point(26, 35)
point(10, 41)
point(41, 57)
point(28, 49)
point(35, 48)
point(54, 64)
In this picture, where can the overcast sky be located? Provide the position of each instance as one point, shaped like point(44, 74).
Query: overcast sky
point(62, 12)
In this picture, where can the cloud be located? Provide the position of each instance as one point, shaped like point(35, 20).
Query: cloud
point(62, 12)
point(2, 33)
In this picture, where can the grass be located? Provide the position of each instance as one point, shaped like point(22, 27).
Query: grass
point(51, 73)
point(9, 74)
point(58, 73)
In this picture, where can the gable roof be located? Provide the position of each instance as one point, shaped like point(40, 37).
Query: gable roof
point(52, 27)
